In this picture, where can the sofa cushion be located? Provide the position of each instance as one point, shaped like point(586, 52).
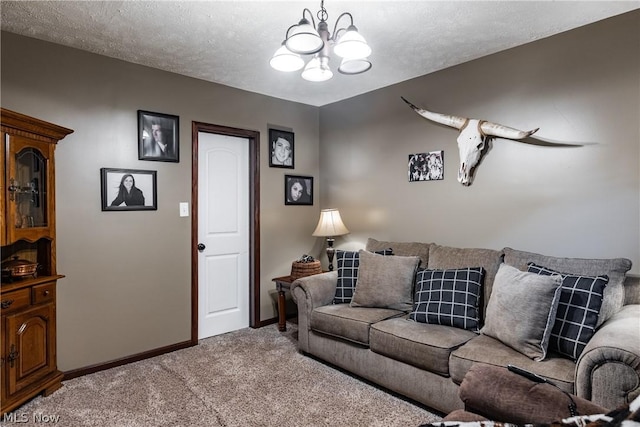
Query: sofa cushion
point(490, 351)
point(448, 297)
point(522, 310)
point(445, 257)
point(578, 309)
point(422, 345)
point(385, 281)
point(348, 263)
point(614, 268)
point(349, 323)
point(402, 248)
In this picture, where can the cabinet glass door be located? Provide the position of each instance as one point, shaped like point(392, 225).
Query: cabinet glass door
point(28, 189)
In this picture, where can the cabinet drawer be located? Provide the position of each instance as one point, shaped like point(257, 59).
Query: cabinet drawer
point(16, 299)
point(43, 293)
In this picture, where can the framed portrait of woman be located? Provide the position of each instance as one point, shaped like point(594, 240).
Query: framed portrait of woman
point(298, 190)
point(128, 190)
point(281, 149)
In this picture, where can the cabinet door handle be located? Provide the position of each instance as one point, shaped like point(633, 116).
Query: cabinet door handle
point(12, 189)
point(6, 303)
point(13, 355)
point(46, 293)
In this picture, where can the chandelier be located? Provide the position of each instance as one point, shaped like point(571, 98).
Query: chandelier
point(305, 38)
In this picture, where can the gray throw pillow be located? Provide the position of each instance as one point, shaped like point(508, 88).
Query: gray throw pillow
point(615, 269)
point(385, 281)
point(522, 310)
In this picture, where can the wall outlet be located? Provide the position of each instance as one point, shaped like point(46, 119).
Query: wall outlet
point(184, 208)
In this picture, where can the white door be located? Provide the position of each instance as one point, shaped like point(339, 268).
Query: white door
point(223, 230)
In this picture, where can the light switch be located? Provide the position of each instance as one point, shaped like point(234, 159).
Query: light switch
point(184, 208)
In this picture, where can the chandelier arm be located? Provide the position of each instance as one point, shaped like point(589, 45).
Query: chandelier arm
point(313, 21)
point(286, 35)
point(334, 35)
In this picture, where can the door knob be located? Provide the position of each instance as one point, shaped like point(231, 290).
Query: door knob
point(201, 247)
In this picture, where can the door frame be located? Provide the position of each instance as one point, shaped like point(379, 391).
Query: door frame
point(254, 219)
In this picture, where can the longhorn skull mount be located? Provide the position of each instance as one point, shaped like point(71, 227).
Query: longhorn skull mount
point(472, 137)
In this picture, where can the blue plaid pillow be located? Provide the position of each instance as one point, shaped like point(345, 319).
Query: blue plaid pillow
point(578, 310)
point(448, 297)
point(348, 263)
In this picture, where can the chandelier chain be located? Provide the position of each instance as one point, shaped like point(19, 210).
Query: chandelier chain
point(322, 13)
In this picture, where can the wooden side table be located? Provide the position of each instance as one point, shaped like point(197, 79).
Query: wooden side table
point(282, 284)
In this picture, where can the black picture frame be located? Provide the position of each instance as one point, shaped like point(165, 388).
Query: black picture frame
point(306, 190)
point(426, 166)
point(144, 181)
point(169, 126)
point(278, 138)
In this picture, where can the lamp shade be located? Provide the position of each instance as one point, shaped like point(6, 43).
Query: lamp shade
point(317, 70)
point(354, 65)
point(285, 60)
point(304, 39)
point(330, 224)
point(352, 45)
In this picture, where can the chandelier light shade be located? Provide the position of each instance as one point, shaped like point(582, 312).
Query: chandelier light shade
point(352, 45)
point(304, 38)
point(317, 70)
point(330, 225)
point(285, 60)
point(354, 65)
point(307, 38)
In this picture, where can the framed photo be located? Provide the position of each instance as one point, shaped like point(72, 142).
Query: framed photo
point(298, 190)
point(426, 166)
point(158, 137)
point(128, 190)
point(281, 149)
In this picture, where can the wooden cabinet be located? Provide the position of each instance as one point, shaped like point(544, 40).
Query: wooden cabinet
point(27, 232)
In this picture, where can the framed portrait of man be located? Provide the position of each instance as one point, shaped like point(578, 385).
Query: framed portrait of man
point(281, 149)
point(158, 137)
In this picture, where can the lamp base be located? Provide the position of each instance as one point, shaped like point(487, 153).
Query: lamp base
point(330, 252)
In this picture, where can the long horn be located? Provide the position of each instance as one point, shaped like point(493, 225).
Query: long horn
point(443, 119)
point(493, 129)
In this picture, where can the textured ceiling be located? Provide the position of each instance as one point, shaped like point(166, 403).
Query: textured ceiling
point(231, 42)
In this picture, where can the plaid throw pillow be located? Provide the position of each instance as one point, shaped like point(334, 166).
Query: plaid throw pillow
point(448, 297)
point(348, 263)
point(578, 310)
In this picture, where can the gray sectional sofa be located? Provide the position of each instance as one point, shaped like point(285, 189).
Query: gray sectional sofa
point(426, 359)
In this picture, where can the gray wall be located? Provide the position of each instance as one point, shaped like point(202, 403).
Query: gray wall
point(127, 287)
point(580, 86)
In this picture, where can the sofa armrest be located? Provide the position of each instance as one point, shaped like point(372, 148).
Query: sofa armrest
point(608, 370)
point(318, 289)
point(309, 293)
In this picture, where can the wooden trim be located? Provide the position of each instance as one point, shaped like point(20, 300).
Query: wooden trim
point(267, 322)
point(32, 127)
point(254, 215)
point(271, 321)
point(126, 360)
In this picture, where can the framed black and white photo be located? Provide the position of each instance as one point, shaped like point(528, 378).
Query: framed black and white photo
point(426, 166)
point(298, 190)
point(281, 149)
point(128, 190)
point(158, 137)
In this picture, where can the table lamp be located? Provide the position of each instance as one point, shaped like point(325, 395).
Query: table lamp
point(329, 226)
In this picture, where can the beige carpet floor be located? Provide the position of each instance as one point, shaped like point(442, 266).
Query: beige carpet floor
point(251, 377)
